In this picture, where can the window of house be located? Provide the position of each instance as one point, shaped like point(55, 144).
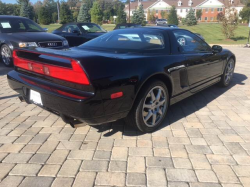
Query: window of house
point(205, 18)
point(190, 3)
point(206, 10)
point(179, 3)
point(156, 11)
point(212, 9)
point(211, 18)
point(180, 10)
point(186, 10)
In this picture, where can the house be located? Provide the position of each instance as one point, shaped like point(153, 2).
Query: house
point(210, 8)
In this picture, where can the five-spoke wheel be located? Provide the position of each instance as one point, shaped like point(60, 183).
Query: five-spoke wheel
point(6, 54)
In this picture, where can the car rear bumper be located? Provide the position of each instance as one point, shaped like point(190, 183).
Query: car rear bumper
point(89, 110)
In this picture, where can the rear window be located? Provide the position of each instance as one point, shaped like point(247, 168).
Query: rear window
point(128, 40)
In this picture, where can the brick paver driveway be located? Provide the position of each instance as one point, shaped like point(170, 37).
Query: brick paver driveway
point(205, 142)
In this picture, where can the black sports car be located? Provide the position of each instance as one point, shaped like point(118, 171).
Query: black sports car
point(22, 32)
point(126, 25)
point(79, 33)
point(127, 73)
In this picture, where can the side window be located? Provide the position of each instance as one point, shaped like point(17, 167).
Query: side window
point(190, 43)
point(70, 28)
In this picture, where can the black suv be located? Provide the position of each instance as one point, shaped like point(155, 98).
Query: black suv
point(19, 32)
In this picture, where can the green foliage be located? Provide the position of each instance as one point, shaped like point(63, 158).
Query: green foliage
point(84, 15)
point(9, 9)
point(138, 16)
point(96, 13)
point(65, 13)
point(172, 17)
point(121, 17)
point(75, 15)
point(183, 21)
point(152, 16)
point(198, 13)
point(44, 16)
point(164, 14)
point(54, 17)
point(245, 13)
point(190, 18)
point(24, 10)
point(229, 22)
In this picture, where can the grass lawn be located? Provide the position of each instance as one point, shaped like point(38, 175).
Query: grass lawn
point(210, 31)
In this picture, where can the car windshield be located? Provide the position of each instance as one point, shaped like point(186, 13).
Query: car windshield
point(19, 25)
point(127, 40)
point(92, 28)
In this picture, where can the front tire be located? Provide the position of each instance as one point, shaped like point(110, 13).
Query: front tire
point(150, 107)
point(6, 55)
point(228, 73)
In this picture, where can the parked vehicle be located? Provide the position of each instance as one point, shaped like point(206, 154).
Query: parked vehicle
point(79, 33)
point(171, 25)
point(126, 25)
point(161, 22)
point(22, 32)
point(127, 73)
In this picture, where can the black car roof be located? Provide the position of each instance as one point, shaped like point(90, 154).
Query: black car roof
point(12, 17)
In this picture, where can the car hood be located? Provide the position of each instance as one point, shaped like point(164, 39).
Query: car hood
point(33, 37)
point(96, 34)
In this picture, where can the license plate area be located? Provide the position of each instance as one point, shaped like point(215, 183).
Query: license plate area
point(35, 97)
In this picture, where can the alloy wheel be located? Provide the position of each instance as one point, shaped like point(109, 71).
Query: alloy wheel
point(154, 106)
point(6, 55)
point(229, 71)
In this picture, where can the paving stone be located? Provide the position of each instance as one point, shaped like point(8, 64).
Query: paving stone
point(11, 148)
point(39, 158)
point(23, 140)
point(49, 170)
point(89, 145)
point(26, 169)
point(225, 174)
point(63, 182)
point(59, 137)
point(136, 164)
point(69, 168)
point(125, 143)
point(11, 181)
point(2, 156)
point(199, 161)
point(221, 159)
point(110, 179)
point(30, 148)
point(205, 184)
point(178, 151)
point(242, 160)
point(136, 179)
point(182, 163)
point(105, 144)
point(160, 142)
point(48, 147)
point(81, 154)
point(234, 138)
point(245, 181)
point(198, 149)
point(184, 175)
point(178, 184)
point(85, 179)
point(156, 177)
point(5, 169)
point(32, 131)
point(212, 140)
point(94, 165)
point(119, 153)
point(93, 136)
point(182, 141)
point(7, 139)
point(37, 181)
point(58, 157)
point(16, 132)
point(198, 141)
point(77, 137)
point(144, 143)
point(140, 151)
point(206, 176)
point(117, 166)
point(159, 162)
point(102, 155)
point(235, 149)
point(242, 171)
point(69, 145)
point(220, 150)
point(163, 152)
point(17, 158)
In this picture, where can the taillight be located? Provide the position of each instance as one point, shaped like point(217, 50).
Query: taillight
point(75, 74)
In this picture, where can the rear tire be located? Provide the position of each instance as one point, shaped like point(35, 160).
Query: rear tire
point(6, 55)
point(228, 73)
point(150, 107)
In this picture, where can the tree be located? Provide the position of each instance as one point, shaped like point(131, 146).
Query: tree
point(96, 13)
point(190, 18)
point(24, 9)
point(220, 16)
point(164, 14)
point(44, 16)
point(152, 16)
point(75, 15)
point(84, 15)
point(172, 17)
point(121, 17)
point(245, 12)
point(2, 8)
point(65, 13)
point(138, 16)
point(54, 17)
point(148, 15)
point(229, 22)
point(198, 13)
point(72, 3)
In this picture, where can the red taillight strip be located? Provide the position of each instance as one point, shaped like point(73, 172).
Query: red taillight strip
point(75, 74)
point(54, 90)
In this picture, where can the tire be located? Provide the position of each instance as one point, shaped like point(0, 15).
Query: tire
point(145, 107)
point(228, 73)
point(6, 55)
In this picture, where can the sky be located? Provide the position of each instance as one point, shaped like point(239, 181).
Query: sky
point(14, 1)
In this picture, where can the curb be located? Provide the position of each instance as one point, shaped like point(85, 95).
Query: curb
point(232, 45)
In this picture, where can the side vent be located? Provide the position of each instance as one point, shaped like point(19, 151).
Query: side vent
point(183, 78)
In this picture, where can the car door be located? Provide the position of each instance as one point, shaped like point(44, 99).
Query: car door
point(73, 34)
point(202, 64)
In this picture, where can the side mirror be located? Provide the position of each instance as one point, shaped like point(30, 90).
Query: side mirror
point(45, 29)
point(76, 32)
point(216, 48)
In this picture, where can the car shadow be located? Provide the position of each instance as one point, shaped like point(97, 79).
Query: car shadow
point(4, 70)
point(177, 111)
